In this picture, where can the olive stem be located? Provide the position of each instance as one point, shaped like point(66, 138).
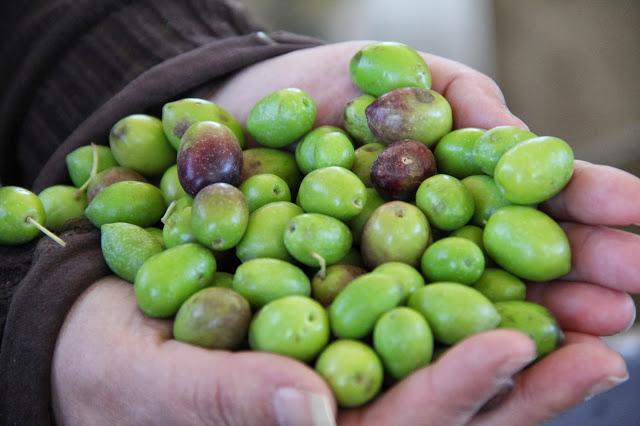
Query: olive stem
point(92, 173)
point(168, 213)
point(45, 231)
point(322, 273)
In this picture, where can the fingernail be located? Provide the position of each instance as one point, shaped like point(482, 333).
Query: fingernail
point(605, 385)
point(293, 407)
point(632, 322)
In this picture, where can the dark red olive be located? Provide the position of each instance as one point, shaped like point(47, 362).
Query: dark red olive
point(410, 113)
point(400, 169)
point(209, 153)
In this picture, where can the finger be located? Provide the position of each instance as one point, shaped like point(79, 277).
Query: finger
point(476, 100)
point(572, 337)
point(558, 382)
point(216, 387)
point(597, 195)
point(323, 72)
point(455, 387)
point(604, 256)
point(140, 377)
point(586, 308)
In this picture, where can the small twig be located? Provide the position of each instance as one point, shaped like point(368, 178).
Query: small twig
point(92, 173)
point(168, 213)
point(45, 231)
point(322, 273)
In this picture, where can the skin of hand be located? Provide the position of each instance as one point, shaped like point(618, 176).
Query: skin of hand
point(113, 365)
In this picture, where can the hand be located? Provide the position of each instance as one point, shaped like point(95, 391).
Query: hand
point(113, 365)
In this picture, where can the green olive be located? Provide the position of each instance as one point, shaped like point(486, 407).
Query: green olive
point(527, 243)
point(454, 311)
point(535, 170)
point(281, 118)
point(352, 370)
point(295, 326)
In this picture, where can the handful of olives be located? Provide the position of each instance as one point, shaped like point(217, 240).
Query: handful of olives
point(363, 253)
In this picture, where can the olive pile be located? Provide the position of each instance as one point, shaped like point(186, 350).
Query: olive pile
point(338, 277)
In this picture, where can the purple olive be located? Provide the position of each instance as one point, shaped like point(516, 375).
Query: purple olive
point(209, 153)
point(400, 169)
point(410, 113)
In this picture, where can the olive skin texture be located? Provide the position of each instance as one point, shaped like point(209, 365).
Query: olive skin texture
point(264, 280)
point(454, 311)
point(166, 280)
point(80, 160)
point(62, 203)
point(410, 113)
point(214, 317)
point(403, 273)
point(381, 67)
point(170, 185)
point(487, 198)
point(533, 320)
point(222, 279)
point(333, 191)
point(403, 340)
point(133, 202)
point(325, 288)
point(400, 169)
point(179, 115)
point(263, 189)
point(500, 286)
point(138, 142)
point(209, 153)
point(445, 201)
point(352, 370)
point(294, 326)
point(454, 153)
point(219, 216)
point(306, 148)
point(535, 170)
point(358, 306)
point(258, 161)
point(264, 236)
point(156, 233)
point(316, 239)
point(125, 248)
point(453, 259)
point(110, 176)
point(395, 231)
point(364, 158)
point(16, 205)
point(374, 200)
point(281, 118)
point(473, 233)
point(177, 228)
point(527, 243)
point(333, 149)
point(494, 143)
point(355, 120)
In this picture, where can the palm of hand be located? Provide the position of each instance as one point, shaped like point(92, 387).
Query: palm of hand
point(109, 352)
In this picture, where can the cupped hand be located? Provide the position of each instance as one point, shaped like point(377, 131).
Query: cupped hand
point(113, 365)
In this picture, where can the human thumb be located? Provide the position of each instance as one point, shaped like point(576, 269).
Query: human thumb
point(247, 388)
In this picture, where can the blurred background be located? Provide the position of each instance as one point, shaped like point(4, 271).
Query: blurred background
point(568, 68)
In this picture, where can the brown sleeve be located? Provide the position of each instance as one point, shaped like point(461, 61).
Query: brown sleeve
point(98, 61)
